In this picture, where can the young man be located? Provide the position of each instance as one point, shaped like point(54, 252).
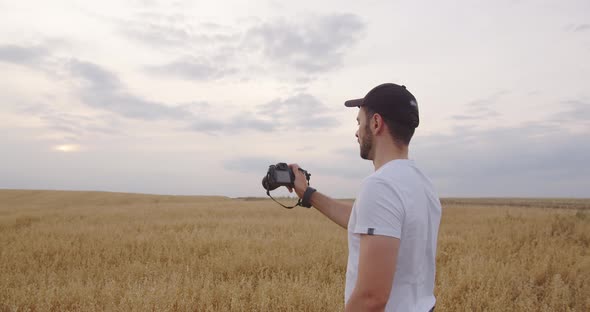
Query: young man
point(393, 223)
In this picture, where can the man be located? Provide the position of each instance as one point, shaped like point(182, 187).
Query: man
point(393, 223)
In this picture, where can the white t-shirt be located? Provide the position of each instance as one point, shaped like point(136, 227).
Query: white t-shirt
point(398, 200)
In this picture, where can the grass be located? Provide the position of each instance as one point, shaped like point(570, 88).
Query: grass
point(91, 251)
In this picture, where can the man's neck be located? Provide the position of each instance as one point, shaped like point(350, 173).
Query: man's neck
point(385, 153)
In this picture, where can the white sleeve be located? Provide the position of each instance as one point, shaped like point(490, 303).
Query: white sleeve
point(379, 209)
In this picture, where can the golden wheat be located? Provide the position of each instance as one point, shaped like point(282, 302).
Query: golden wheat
point(90, 251)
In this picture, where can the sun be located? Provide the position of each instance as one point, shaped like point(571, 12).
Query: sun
point(66, 148)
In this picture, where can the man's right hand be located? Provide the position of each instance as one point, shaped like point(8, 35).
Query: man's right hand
point(300, 181)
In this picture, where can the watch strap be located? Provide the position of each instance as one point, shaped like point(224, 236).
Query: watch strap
point(305, 201)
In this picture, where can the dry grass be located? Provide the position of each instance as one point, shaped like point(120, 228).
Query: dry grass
point(87, 251)
point(506, 258)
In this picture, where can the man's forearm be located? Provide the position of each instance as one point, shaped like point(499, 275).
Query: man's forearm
point(364, 303)
point(335, 210)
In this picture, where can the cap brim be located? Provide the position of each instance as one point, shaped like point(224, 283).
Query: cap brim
point(354, 103)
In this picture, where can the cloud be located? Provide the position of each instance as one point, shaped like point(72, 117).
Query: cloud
point(102, 89)
point(212, 26)
point(481, 108)
point(22, 55)
point(249, 164)
point(193, 69)
point(534, 159)
point(239, 122)
point(577, 111)
point(207, 126)
point(582, 27)
point(490, 100)
point(169, 34)
point(156, 35)
point(76, 125)
point(344, 163)
point(59, 120)
point(307, 47)
point(311, 45)
point(174, 30)
point(196, 107)
point(248, 121)
point(203, 120)
point(301, 111)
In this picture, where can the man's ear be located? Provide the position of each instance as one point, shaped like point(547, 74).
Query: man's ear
point(376, 123)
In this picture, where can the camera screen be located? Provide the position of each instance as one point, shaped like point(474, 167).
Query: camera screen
point(283, 176)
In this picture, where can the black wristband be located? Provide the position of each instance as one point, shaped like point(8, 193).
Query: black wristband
point(307, 196)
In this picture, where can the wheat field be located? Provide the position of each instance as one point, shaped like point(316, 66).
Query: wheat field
point(93, 251)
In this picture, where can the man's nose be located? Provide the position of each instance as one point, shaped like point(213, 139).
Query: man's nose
point(356, 134)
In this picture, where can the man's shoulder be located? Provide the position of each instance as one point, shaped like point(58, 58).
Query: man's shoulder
point(403, 178)
point(377, 179)
point(378, 185)
point(391, 174)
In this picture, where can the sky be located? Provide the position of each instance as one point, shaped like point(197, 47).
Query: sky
point(200, 97)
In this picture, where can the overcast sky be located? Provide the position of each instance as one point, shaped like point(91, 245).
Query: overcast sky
point(199, 97)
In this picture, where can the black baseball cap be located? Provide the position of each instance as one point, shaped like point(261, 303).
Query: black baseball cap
point(391, 101)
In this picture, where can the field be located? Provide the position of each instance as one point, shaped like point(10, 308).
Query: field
point(91, 251)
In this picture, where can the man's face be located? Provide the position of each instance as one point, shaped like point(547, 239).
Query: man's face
point(364, 135)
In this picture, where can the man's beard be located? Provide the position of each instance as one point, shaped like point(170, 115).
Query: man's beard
point(367, 144)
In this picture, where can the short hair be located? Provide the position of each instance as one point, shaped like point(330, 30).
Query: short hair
point(400, 132)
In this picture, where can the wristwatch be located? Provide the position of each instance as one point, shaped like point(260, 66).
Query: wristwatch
point(305, 201)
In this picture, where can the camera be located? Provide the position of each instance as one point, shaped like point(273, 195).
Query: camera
point(280, 175)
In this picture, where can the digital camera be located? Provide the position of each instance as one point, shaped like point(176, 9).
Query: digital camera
point(280, 175)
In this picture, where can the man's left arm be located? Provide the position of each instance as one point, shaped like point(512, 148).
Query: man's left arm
point(376, 270)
